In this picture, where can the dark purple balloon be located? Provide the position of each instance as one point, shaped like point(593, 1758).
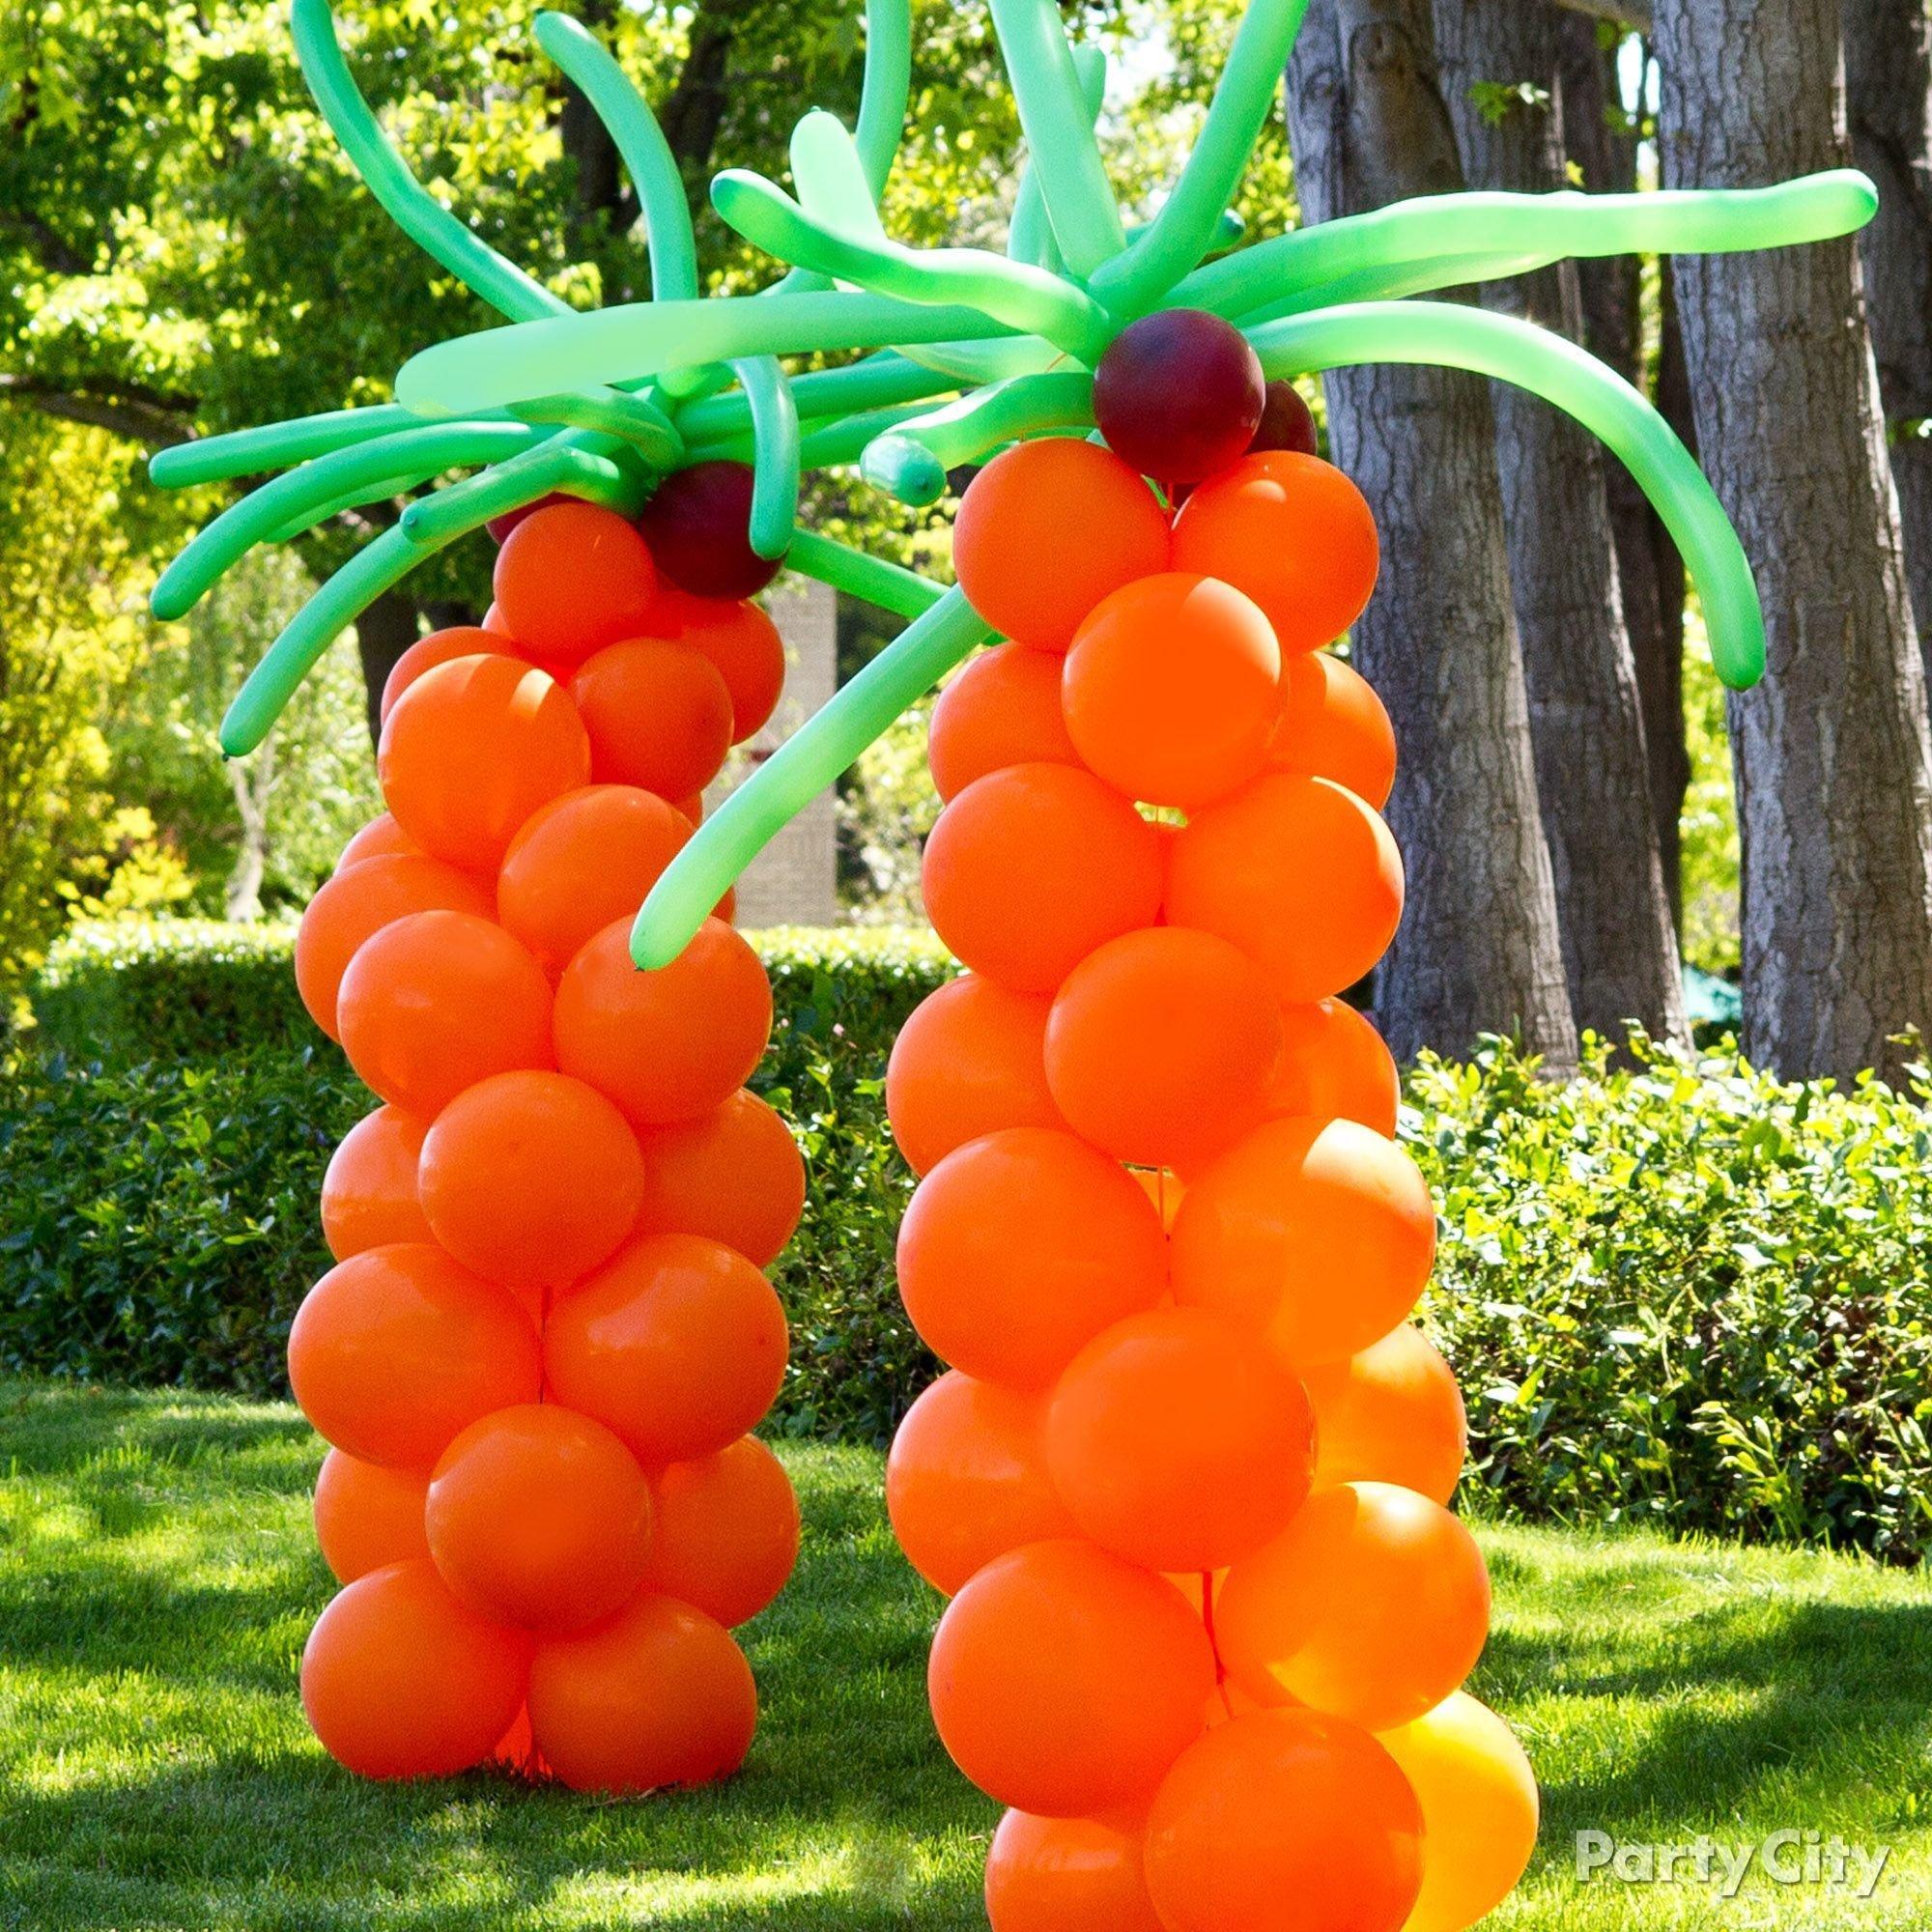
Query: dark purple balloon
point(500, 527)
point(698, 525)
point(1287, 421)
point(1177, 394)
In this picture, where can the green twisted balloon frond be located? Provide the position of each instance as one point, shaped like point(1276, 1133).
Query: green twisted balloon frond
point(609, 442)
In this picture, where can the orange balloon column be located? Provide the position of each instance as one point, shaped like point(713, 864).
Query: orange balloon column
point(1185, 1481)
point(547, 1334)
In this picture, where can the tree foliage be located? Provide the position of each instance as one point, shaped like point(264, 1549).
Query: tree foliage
point(72, 639)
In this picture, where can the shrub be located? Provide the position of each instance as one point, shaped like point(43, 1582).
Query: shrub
point(1675, 1289)
point(127, 990)
point(1687, 1292)
point(122, 991)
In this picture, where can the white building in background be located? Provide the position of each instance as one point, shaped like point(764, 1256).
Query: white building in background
point(794, 881)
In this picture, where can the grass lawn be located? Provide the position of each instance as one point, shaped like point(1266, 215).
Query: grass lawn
point(158, 1576)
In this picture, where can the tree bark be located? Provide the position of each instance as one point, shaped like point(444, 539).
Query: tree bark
point(1478, 950)
point(384, 631)
point(1585, 722)
point(1834, 800)
point(252, 781)
point(1889, 90)
point(1650, 573)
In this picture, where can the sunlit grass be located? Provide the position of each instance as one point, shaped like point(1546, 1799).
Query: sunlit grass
point(158, 1576)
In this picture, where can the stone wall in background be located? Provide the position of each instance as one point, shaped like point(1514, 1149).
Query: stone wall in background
point(794, 880)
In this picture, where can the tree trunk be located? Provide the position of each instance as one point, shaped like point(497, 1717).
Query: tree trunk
point(1834, 802)
point(1650, 573)
point(1478, 951)
point(1889, 88)
point(384, 631)
point(1586, 726)
point(252, 781)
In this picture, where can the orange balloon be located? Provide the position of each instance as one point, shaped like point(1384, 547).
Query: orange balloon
point(1292, 532)
point(571, 578)
point(473, 748)
point(1371, 1605)
point(1298, 873)
point(726, 1533)
point(1317, 1236)
point(1479, 1810)
point(1390, 1414)
point(734, 1175)
point(438, 1000)
point(659, 1696)
point(539, 1517)
point(1068, 1875)
point(1278, 1807)
point(1332, 725)
point(381, 838)
point(492, 621)
point(966, 1480)
point(1030, 869)
point(1046, 529)
point(460, 641)
point(1002, 709)
point(1178, 1444)
point(1172, 689)
point(1334, 1066)
point(400, 1680)
point(1161, 1045)
point(970, 1061)
point(367, 1515)
point(369, 1193)
point(393, 1353)
point(1064, 1681)
point(669, 1045)
point(532, 1179)
point(1019, 1247)
point(580, 862)
point(678, 1345)
point(659, 715)
point(745, 647)
point(356, 905)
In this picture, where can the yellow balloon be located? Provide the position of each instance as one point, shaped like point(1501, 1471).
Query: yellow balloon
point(1479, 1810)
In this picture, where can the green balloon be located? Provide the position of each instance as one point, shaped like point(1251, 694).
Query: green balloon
point(583, 463)
point(1188, 224)
point(1453, 235)
point(501, 366)
point(404, 200)
point(1031, 302)
point(1053, 112)
point(796, 773)
point(776, 462)
point(1509, 351)
point(247, 452)
point(911, 460)
point(306, 495)
point(647, 156)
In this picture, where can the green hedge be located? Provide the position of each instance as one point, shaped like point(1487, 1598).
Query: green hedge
point(1687, 1292)
point(123, 991)
point(1679, 1292)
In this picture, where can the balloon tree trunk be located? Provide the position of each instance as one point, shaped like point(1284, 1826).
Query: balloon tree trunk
point(547, 1334)
point(1185, 1480)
